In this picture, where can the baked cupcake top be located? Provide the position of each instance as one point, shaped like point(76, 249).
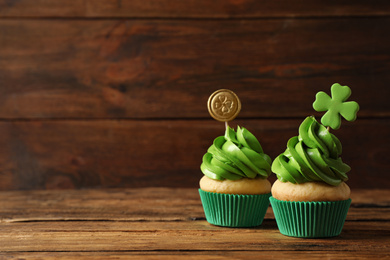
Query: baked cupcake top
point(237, 154)
point(314, 155)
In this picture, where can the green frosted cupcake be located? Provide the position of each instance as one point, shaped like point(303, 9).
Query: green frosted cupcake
point(234, 189)
point(310, 198)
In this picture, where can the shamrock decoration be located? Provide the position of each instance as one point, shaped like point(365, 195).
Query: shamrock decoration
point(336, 106)
point(223, 105)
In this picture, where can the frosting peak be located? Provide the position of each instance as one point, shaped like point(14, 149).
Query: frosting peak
point(236, 155)
point(314, 155)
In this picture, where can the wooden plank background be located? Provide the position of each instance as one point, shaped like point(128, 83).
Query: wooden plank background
point(97, 94)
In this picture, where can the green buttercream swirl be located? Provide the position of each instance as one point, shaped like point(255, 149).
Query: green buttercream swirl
point(236, 155)
point(314, 155)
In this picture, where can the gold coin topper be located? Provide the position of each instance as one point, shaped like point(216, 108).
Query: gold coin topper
point(224, 105)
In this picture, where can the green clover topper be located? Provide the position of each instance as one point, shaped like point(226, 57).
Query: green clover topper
point(336, 106)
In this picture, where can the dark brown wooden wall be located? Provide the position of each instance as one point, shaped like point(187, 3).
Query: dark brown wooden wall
point(97, 94)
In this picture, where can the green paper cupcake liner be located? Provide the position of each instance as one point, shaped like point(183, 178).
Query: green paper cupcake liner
point(310, 219)
point(232, 210)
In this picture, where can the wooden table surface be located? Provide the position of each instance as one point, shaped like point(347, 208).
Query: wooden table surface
point(162, 223)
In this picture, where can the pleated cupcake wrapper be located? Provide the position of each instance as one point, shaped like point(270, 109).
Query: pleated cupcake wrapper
point(232, 210)
point(310, 219)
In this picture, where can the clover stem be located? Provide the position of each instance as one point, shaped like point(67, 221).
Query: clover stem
point(226, 125)
point(328, 129)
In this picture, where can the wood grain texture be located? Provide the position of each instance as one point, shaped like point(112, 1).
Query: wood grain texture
point(148, 237)
point(127, 153)
point(191, 9)
point(135, 206)
point(202, 237)
point(167, 69)
point(214, 255)
point(235, 9)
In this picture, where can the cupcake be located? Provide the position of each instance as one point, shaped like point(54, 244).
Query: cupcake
point(234, 189)
point(310, 198)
